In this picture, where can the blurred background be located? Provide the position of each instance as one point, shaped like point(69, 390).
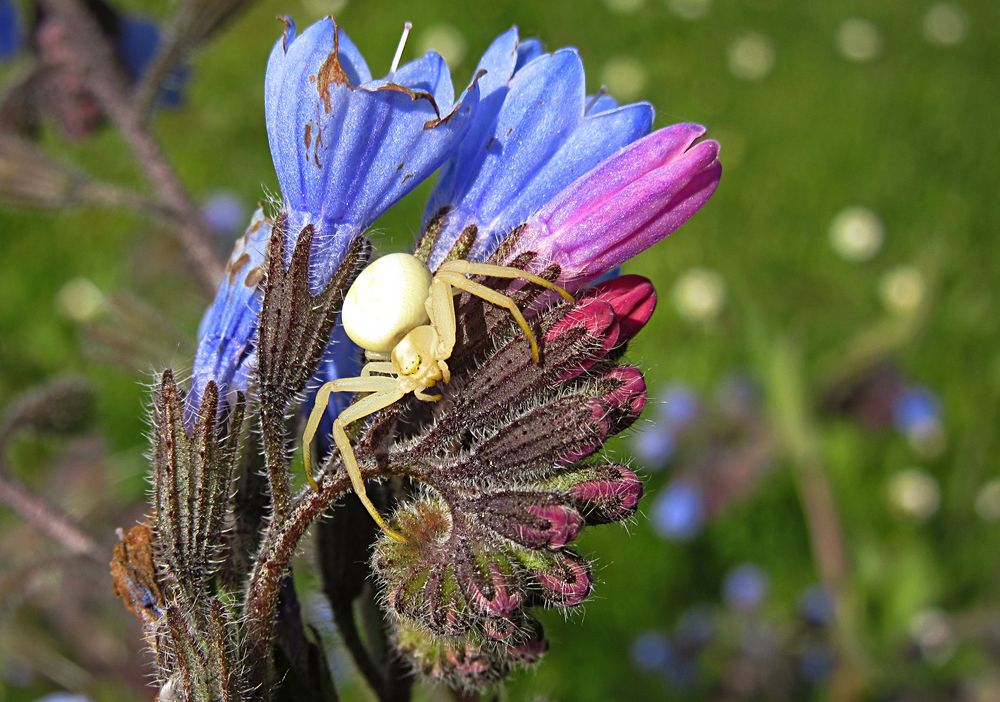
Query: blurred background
point(822, 518)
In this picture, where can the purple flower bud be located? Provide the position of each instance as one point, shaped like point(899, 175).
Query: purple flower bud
point(565, 582)
point(745, 587)
point(679, 511)
point(625, 205)
point(633, 300)
point(593, 320)
point(624, 403)
point(491, 591)
point(611, 496)
point(534, 520)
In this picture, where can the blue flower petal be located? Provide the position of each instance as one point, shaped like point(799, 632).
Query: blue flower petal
point(345, 152)
point(540, 141)
point(293, 100)
point(599, 103)
point(596, 138)
point(528, 51)
point(428, 74)
point(225, 337)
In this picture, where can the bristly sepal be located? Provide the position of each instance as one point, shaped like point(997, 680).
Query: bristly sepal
point(293, 333)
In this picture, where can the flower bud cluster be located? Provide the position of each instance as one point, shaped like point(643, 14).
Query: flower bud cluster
point(507, 458)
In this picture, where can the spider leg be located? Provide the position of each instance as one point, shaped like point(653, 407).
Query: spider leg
point(377, 384)
point(459, 281)
point(360, 409)
point(441, 310)
point(377, 367)
point(421, 395)
point(488, 269)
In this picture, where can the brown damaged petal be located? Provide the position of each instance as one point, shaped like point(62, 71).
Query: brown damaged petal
point(331, 72)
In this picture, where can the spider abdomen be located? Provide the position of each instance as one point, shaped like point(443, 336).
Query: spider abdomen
point(386, 301)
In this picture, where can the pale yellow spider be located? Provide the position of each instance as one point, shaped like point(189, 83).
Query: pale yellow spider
point(404, 319)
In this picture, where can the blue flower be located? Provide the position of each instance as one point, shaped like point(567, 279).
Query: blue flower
point(745, 587)
point(225, 337)
point(679, 511)
point(346, 147)
point(535, 133)
point(916, 409)
point(138, 42)
point(10, 30)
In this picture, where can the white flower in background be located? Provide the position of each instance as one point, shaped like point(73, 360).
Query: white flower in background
point(988, 501)
point(932, 631)
point(751, 56)
point(902, 289)
point(624, 6)
point(859, 40)
point(444, 39)
point(80, 300)
point(856, 233)
point(914, 493)
point(699, 295)
point(690, 9)
point(624, 76)
point(945, 24)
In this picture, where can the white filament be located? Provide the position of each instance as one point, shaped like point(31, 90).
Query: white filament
point(399, 49)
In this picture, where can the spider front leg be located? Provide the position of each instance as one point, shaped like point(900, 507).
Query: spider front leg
point(385, 391)
point(453, 274)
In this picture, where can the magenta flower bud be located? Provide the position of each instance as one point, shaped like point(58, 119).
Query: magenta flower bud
point(624, 402)
point(633, 299)
point(624, 205)
point(492, 593)
point(612, 495)
point(532, 519)
point(598, 322)
point(565, 582)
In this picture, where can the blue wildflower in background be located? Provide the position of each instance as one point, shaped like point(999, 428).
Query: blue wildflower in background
point(10, 30)
point(745, 587)
point(138, 42)
point(679, 511)
point(655, 444)
point(347, 147)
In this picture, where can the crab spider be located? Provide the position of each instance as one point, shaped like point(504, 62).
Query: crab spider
point(404, 319)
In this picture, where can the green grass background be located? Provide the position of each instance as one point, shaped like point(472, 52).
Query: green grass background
point(911, 134)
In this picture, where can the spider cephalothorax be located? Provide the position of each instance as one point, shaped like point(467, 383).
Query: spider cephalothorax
point(403, 316)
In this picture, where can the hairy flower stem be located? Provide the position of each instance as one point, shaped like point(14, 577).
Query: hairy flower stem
point(276, 463)
point(271, 566)
point(98, 62)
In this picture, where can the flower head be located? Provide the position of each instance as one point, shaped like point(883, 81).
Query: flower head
point(506, 453)
point(535, 132)
point(625, 205)
point(347, 147)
